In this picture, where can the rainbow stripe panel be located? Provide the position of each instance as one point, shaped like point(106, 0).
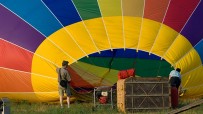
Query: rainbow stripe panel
point(99, 38)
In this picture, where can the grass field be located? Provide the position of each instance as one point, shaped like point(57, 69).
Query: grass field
point(45, 108)
point(24, 107)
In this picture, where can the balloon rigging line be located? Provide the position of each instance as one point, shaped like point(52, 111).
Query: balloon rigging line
point(39, 32)
point(110, 66)
point(23, 20)
point(186, 53)
point(105, 27)
point(158, 71)
point(87, 30)
point(86, 91)
point(192, 70)
point(160, 27)
point(62, 50)
point(86, 72)
point(180, 30)
point(188, 78)
point(31, 52)
point(141, 27)
point(123, 26)
point(65, 29)
point(39, 75)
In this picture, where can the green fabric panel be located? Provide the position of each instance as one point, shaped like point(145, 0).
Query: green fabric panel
point(143, 67)
point(87, 9)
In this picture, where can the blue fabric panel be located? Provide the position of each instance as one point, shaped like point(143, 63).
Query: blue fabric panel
point(199, 49)
point(64, 10)
point(193, 30)
point(35, 13)
point(128, 53)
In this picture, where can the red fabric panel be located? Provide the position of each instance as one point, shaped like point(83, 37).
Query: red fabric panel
point(77, 81)
point(178, 13)
point(14, 57)
point(155, 10)
point(15, 81)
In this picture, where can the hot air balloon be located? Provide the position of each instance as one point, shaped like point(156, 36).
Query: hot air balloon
point(99, 38)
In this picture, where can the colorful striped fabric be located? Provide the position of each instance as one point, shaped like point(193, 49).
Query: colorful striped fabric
point(98, 38)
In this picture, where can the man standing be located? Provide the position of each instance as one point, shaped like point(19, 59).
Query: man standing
point(175, 78)
point(64, 75)
point(175, 81)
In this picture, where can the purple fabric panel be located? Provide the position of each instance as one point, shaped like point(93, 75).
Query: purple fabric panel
point(15, 30)
point(193, 30)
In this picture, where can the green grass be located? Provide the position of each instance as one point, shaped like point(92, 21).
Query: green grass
point(45, 108)
point(24, 107)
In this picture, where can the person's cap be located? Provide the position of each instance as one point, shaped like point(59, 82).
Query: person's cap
point(178, 69)
point(65, 63)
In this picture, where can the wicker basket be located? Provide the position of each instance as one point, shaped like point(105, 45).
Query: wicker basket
point(135, 94)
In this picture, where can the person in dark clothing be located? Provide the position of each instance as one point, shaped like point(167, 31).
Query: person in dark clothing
point(175, 78)
point(64, 76)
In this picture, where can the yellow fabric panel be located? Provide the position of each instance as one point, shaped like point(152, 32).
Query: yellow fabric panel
point(192, 82)
point(194, 92)
point(44, 84)
point(110, 7)
point(48, 96)
point(189, 62)
point(178, 49)
point(49, 51)
point(133, 8)
point(132, 26)
point(164, 39)
point(80, 34)
point(52, 57)
point(96, 71)
point(47, 86)
point(148, 33)
point(44, 76)
point(193, 78)
point(62, 39)
point(98, 32)
point(114, 28)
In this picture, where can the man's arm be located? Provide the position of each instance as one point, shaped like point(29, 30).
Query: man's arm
point(169, 77)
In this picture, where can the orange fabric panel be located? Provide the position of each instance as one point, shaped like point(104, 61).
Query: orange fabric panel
point(15, 81)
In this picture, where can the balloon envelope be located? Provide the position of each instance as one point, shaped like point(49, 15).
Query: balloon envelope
point(98, 38)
